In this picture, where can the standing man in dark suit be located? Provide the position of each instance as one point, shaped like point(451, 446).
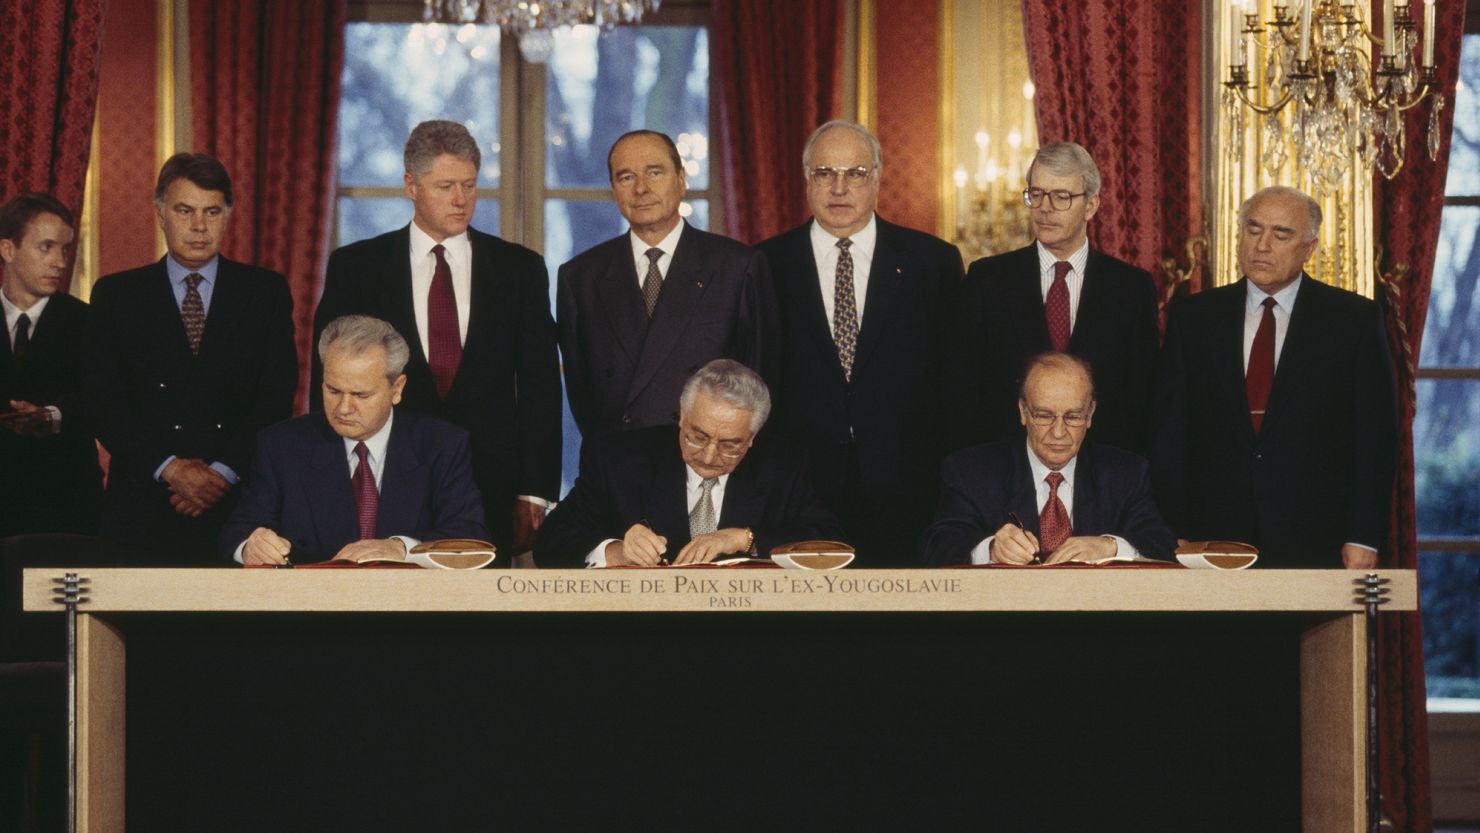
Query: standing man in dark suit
point(190, 358)
point(692, 493)
point(52, 482)
point(640, 313)
point(1276, 417)
point(1057, 294)
point(864, 305)
point(476, 311)
point(1053, 499)
point(361, 480)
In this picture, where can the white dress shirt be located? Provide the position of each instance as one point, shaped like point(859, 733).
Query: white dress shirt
point(825, 252)
point(12, 321)
point(693, 490)
point(1074, 280)
point(1284, 304)
point(458, 251)
point(982, 553)
point(668, 244)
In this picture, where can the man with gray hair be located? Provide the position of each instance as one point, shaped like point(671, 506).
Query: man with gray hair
point(360, 481)
point(690, 493)
point(1058, 294)
point(475, 311)
point(1276, 417)
point(864, 306)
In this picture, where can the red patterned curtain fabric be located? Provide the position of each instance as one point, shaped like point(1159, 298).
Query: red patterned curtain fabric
point(778, 66)
point(49, 59)
point(1407, 229)
point(265, 101)
point(1122, 78)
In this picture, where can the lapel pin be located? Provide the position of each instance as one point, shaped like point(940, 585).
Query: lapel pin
point(699, 284)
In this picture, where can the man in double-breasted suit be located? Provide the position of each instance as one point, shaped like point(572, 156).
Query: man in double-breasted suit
point(362, 480)
point(641, 313)
point(864, 305)
point(1056, 294)
point(52, 482)
point(475, 310)
point(189, 358)
point(1277, 422)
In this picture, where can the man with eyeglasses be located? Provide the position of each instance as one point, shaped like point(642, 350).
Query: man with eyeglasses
point(691, 493)
point(1056, 294)
point(864, 305)
point(1276, 415)
point(1054, 498)
point(638, 314)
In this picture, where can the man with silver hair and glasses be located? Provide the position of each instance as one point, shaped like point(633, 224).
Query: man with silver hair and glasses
point(475, 311)
point(690, 493)
point(1057, 294)
point(1276, 418)
point(363, 480)
point(864, 305)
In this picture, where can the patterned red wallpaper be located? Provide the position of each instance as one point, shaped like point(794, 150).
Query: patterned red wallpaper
point(126, 136)
point(907, 82)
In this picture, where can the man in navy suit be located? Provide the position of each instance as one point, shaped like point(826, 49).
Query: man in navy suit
point(190, 358)
point(1056, 294)
point(361, 480)
point(692, 493)
point(475, 310)
point(1053, 499)
point(52, 482)
point(864, 305)
point(642, 312)
point(1276, 416)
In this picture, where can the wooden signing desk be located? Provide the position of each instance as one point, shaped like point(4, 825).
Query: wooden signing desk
point(779, 612)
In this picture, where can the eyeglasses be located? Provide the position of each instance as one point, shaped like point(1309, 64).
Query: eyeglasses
point(1045, 419)
point(699, 441)
point(1060, 200)
point(825, 176)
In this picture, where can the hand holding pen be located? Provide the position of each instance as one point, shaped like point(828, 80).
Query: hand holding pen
point(1014, 544)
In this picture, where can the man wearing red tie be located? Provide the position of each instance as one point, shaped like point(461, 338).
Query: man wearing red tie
point(475, 312)
point(1276, 422)
point(361, 481)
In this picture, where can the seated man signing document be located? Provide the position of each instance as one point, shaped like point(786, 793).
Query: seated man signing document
point(691, 493)
point(1055, 498)
point(361, 480)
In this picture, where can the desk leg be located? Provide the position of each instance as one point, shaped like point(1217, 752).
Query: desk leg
point(100, 726)
point(1333, 726)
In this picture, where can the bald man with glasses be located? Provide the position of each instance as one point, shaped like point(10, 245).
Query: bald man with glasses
point(1050, 499)
point(692, 493)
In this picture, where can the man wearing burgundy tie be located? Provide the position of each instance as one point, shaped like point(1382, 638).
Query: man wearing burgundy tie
point(361, 480)
point(1276, 418)
point(864, 305)
point(475, 310)
point(190, 358)
point(1056, 294)
point(1053, 499)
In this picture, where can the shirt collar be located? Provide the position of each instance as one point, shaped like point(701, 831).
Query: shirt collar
point(1041, 469)
point(376, 443)
point(1077, 259)
point(1285, 298)
point(422, 243)
point(13, 312)
point(178, 273)
point(693, 479)
point(668, 244)
point(864, 239)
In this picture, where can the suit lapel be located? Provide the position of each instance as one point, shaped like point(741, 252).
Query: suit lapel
point(665, 503)
point(1228, 353)
point(1092, 297)
point(683, 290)
point(745, 497)
point(330, 495)
point(1024, 296)
point(885, 277)
point(1300, 340)
point(160, 314)
point(1087, 509)
point(402, 484)
point(483, 291)
point(805, 285)
point(621, 300)
point(227, 297)
point(1024, 498)
point(400, 299)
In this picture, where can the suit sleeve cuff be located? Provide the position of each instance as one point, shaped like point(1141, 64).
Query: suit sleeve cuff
point(597, 557)
point(546, 505)
point(226, 472)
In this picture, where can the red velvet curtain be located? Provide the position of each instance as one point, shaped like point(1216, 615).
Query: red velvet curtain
point(49, 59)
point(1407, 213)
point(1122, 78)
point(265, 101)
point(778, 65)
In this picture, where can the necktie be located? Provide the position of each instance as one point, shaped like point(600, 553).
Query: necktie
point(444, 343)
point(701, 520)
point(845, 310)
point(193, 312)
point(1054, 527)
point(22, 336)
point(1056, 307)
point(367, 499)
point(652, 283)
point(1261, 366)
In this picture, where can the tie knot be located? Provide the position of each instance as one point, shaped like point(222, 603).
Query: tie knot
point(1270, 303)
point(1054, 479)
point(708, 485)
point(1061, 269)
point(193, 280)
point(362, 452)
point(23, 323)
point(845, 243)
point(653, 254)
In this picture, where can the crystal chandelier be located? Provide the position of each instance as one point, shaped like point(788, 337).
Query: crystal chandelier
point(532, 21)
point(1318, 68)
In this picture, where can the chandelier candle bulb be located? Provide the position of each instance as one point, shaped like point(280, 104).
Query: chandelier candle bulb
point(1305, 10)
point(1428, 33)
point(1389, 41)
point(1235, 36)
